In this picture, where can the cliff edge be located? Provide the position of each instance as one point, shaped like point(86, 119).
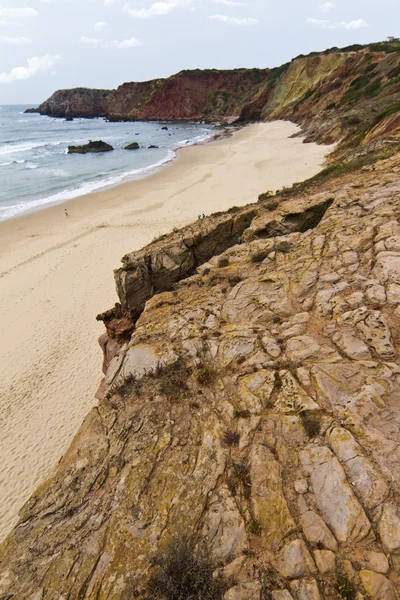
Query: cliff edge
point(246, 441)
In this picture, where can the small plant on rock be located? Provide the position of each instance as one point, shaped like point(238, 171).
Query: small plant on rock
point(206, 375)
point(311, 421)
point(185, 574)
point(223, 262)
point(345, 588)
point(231, 438)
point(255, 527)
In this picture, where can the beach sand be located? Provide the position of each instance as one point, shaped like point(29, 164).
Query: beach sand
point(56, 275)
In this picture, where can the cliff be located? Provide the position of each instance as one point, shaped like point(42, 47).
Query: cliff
point(78, 102)
point(311, 90)
point(246, 441)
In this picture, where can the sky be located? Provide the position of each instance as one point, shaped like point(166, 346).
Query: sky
point(47, 45)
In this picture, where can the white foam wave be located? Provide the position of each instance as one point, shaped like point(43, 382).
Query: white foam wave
point(6, 212)
point(25, 147)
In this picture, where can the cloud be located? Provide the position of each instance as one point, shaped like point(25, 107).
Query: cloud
point(234, 20)
point(100, 43)
point(357, 24)
point(157, 9)
point(230, 2)
point(7, 14)
point(326, 7)
point(99, 26)
point(14, 41)
point(35, 65)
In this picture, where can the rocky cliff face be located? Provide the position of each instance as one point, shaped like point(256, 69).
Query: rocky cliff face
point(246, 441)
point(78, 102)
point(189, 95)
point(251, 406)
point(320, 89)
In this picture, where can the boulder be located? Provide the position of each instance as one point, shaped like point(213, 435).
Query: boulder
point(152, 146)
point(377, 586)
point(97, 146)
point(132, 146)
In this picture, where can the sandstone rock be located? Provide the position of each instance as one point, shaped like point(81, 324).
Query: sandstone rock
point(389, 527)
point(369, 484)
point(377, 586)
point(224, 527)
point(244, 591)
point(337, 503)
point(372, 561)
point(281, 595)
point(351, 346)
point(316, 530)
point(305, 589)
point(325, 560)
point(269, 504)
point(295, 561)
point(301, 486)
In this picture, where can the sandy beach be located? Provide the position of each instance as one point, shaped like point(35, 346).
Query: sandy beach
point(56, 275)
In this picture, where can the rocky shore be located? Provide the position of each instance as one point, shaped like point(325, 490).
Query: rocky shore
point(246, 441)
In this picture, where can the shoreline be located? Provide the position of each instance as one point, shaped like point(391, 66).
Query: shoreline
point(110, 181)
point(56, 276)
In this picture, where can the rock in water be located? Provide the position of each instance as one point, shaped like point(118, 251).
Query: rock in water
point(133, 146)
point(97, 146)
point(29, 111)
point(152, 146)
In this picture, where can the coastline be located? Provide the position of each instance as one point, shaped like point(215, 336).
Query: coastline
point(56, 275)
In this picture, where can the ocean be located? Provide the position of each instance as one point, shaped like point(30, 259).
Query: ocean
point(36, 171)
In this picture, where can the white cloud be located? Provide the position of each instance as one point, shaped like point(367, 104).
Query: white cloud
point(357, 24)
point(14, 41)
point(326, 7)
point(230, 2)
point(100, 43)
point(156, 9)
point(35, 65)
point(7, 14)
point(234, 20)
point(99, 26)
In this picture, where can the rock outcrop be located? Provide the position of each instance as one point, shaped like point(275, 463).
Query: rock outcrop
point(76, 103)
point(246, 441)
point(250, 402)
point(94, 147)
point(351, 93)
point(132, 146)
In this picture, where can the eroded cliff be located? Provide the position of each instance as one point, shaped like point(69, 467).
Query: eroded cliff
point(246, 441)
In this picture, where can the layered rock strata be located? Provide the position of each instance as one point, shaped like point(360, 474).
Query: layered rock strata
point(252, 403)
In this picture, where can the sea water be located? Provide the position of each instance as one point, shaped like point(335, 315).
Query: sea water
point(36, 171)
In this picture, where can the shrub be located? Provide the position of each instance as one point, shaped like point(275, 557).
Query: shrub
point(330, 106)
point(345, 588)
point(265, 196)
point(272, 204)
point(173, 379)
point(127, 388)
point(206, 375)
point(395, 72)
point(231, 438)
point(390, 110)
point(242, 414)
point(255, 527)
point(352, 120)
point(184, 574)
point(223, 262)
point(311, 422)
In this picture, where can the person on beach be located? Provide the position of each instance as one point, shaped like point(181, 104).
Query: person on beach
point(66, 212)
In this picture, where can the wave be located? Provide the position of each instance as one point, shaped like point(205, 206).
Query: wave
point(25, 147)
point(7, 212)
